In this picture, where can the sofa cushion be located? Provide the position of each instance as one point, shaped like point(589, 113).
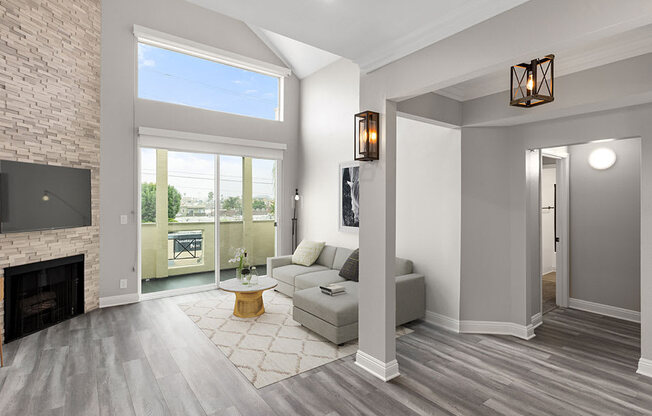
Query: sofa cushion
point(315, 279)
point(351, 267)
point(307, 253)
point(337, 310)
point(288, 273)
point(341, 255)
point(326, 256)
point(403, 266)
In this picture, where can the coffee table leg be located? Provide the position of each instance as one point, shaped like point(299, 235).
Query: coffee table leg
point(248, 305)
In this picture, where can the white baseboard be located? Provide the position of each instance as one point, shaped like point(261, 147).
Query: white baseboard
point(109, 301)
point(484, 327)
point(443, 321)
point(537, 319)
point(382, 370)
point(607, 310)
point(497, 328)
point(645, 367)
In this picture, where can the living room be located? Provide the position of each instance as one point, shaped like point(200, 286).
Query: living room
point(190, 223)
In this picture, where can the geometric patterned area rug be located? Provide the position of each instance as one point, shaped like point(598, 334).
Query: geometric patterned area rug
point(270, 347)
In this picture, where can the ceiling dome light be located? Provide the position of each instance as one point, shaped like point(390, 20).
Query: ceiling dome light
point(602, 158)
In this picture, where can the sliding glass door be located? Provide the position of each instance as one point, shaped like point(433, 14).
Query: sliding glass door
point(247, 212)
point(178, 219)
point(182, 194)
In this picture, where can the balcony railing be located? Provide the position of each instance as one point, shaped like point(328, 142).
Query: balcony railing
point(173, 249)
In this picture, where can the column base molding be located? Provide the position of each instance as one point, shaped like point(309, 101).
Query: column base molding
point(376, 367)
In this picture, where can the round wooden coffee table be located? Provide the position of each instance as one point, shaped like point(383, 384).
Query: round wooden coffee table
point(248, 298)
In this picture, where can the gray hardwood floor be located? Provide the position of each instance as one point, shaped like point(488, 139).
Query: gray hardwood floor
point(150, 359)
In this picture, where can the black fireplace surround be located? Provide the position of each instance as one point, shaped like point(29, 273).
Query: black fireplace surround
point(39, 295)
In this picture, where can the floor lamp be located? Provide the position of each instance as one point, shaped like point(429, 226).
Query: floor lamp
point(294, 220)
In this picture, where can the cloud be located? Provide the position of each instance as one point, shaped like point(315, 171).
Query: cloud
point(251, 91)
point(142, 61)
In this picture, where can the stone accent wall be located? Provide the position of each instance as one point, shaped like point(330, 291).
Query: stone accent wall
point(50, 114)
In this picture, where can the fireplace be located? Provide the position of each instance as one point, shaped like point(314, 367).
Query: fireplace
point(39, 295)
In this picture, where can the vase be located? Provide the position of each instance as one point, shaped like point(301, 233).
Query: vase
point(245, 279)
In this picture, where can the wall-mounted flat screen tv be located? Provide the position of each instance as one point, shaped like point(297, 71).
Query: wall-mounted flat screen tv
point(43, 197)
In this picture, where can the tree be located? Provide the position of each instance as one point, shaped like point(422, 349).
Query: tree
point(232, 203)
point(210, 196)
point(259, 204)
point(148, 202)
point(174, 202)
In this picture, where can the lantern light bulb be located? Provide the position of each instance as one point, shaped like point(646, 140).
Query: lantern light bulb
point(530, 83)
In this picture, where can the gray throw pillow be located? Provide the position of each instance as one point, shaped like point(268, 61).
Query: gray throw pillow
point(350, 269)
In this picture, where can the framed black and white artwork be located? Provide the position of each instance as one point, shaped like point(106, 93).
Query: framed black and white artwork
point(349, 188)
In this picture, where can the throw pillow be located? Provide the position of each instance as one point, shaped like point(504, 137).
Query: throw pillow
point(350, 268)
point(307, 252)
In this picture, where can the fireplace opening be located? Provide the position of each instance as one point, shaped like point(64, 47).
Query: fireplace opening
point(39, 295)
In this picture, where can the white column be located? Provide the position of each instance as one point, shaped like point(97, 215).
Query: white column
point(377, 288)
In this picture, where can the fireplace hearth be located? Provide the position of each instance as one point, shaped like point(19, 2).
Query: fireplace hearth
point(39, 295)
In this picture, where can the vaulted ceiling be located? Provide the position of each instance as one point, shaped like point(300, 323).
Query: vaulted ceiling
point(371, 33)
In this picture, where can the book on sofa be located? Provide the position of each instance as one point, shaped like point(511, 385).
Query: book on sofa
point(333, 289)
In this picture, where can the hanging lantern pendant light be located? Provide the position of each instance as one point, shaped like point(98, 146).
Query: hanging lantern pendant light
point(532, 84)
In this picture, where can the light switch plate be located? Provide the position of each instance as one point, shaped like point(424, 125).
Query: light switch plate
point(123, 219)
point(123, 283)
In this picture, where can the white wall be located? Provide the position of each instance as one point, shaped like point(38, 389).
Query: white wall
point(122, 114)
point(548, 257)
point(605, 226)
point(329, 99)
point(428, 200)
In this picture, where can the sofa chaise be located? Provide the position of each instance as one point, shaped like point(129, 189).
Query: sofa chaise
point(336, 317)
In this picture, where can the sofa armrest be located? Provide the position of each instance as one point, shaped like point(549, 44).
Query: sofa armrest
point(410, 298)
point(276, 262)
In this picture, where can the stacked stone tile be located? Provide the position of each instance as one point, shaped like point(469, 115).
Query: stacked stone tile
point(50, 113)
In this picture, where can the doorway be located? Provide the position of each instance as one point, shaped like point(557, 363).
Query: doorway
point(196, 210)
point(589, 197)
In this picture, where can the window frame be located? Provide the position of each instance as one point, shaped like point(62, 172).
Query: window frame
point(177, 44)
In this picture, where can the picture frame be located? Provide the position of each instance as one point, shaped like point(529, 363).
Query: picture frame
point(349, 197)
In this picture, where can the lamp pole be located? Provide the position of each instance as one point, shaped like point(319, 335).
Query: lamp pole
point(294, 220)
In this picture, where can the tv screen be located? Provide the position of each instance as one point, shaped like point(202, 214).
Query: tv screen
point(43, 197)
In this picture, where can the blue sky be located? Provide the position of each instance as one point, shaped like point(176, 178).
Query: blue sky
point(173, 77)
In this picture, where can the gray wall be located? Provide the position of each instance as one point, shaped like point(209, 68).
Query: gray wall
point(122, 114)
point(605, 226)
point(495, 279)
point(329, 99)
point(485, 225)
point(433, 106)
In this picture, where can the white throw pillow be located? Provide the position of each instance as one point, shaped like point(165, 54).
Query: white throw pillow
point(307, 252)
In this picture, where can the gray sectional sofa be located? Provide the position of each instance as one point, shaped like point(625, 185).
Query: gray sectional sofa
point(336, 318)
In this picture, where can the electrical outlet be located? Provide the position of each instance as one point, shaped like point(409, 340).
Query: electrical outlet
point(123, 219)
point(123, 283)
